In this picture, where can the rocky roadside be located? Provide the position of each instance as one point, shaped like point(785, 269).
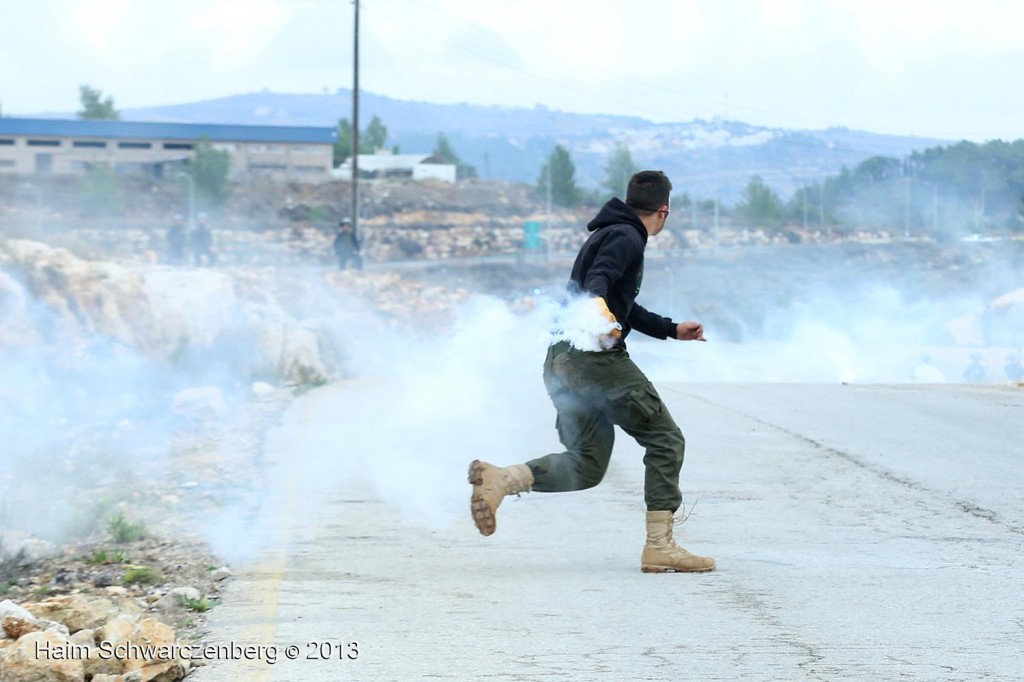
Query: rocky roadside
point(138, 397)
point(146, 575)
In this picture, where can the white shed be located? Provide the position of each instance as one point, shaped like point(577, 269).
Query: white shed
point(414, 166)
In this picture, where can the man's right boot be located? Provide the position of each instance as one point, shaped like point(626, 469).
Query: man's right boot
point(661, 554)
point(490, 486)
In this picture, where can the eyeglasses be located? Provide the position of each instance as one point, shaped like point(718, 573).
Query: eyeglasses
point(666, 212)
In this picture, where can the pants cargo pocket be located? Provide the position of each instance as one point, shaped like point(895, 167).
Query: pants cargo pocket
point(643, 404)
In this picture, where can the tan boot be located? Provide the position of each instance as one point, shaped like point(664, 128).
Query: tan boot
point(490, 486)
point(661, 553)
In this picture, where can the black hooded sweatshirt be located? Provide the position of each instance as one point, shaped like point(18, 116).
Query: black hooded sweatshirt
point(611, 265)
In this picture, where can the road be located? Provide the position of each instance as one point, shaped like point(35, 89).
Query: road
point(861, 533)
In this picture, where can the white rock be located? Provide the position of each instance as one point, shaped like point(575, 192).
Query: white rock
point(54, 626)
point(288, 348)
point(177, 598)
point(205, 401)
point(21, 662)
point(9, 608)
point(262, 389)
point(84, 638)
point(31, 549)
point(188, 305)
point(222, 573)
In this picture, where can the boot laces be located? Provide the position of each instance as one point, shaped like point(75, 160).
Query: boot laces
point(680, 519)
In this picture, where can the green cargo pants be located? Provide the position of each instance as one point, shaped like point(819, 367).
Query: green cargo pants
point(593, 392)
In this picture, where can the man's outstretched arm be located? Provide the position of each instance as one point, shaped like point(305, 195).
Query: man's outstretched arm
point(658, 327)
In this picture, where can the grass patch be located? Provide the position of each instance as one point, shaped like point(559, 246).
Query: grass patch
point(121, 530)
point(103, 557)
point(201, 605)
point(141, 575)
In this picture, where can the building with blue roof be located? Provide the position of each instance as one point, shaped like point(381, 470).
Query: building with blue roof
point(56, 146)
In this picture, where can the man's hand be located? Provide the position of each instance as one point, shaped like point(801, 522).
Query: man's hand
point(616, 330)
point(690, 331)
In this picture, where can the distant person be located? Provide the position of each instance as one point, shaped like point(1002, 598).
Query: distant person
point(975, 372)
point(1013, 369)
point(347, 246)
point(202, 241)
point(177, 238)
point(927, 373)
point(595, 390)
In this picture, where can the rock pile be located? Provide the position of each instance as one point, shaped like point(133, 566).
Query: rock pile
point(158, 311)
point(99, 638)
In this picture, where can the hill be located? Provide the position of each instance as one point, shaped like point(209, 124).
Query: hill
point(705, 158)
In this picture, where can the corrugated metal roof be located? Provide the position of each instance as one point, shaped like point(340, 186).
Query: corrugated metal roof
point(52, 127)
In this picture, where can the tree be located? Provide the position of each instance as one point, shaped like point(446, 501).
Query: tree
point(443, 150)
point(372, 139)
point(619, 170)
point(343, 147)
point(559, 173)
point(375, 137)
point(94, 107)
point(759, 203)
point(209, 168)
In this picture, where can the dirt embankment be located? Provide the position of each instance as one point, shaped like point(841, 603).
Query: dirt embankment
point(399, 220)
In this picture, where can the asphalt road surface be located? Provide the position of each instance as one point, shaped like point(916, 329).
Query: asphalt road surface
point(861, 533)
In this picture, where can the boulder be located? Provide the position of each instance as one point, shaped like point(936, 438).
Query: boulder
point(22, 662)
point(204, 402)
point(147, 633)
point(16, 628)
point(9, 608)
point(77, 612)
point(177, 599)
point(222, 573)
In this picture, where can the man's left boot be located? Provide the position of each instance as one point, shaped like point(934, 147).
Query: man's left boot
point(490, 486)
point(661, 554)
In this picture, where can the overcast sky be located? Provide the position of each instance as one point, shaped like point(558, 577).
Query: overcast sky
point(941, 68)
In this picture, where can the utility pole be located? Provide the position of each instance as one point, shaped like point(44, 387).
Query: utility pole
point(906, 208)
point(803, 200)
point(716, 220)
point(547, 181)
point(355, 122)
point(821, 194)
point(821, 204)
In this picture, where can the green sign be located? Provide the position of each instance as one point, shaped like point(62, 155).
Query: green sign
point(531, 236)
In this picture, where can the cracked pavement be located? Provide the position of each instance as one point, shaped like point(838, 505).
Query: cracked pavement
point(861, 532)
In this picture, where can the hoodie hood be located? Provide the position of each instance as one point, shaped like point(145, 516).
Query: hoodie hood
point(616, 212)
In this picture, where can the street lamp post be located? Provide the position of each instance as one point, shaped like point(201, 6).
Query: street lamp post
point(906, 208)
point(547, 185)
point(821, 194)
point(984, 209)
point(716, 221)
point(803, 200)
